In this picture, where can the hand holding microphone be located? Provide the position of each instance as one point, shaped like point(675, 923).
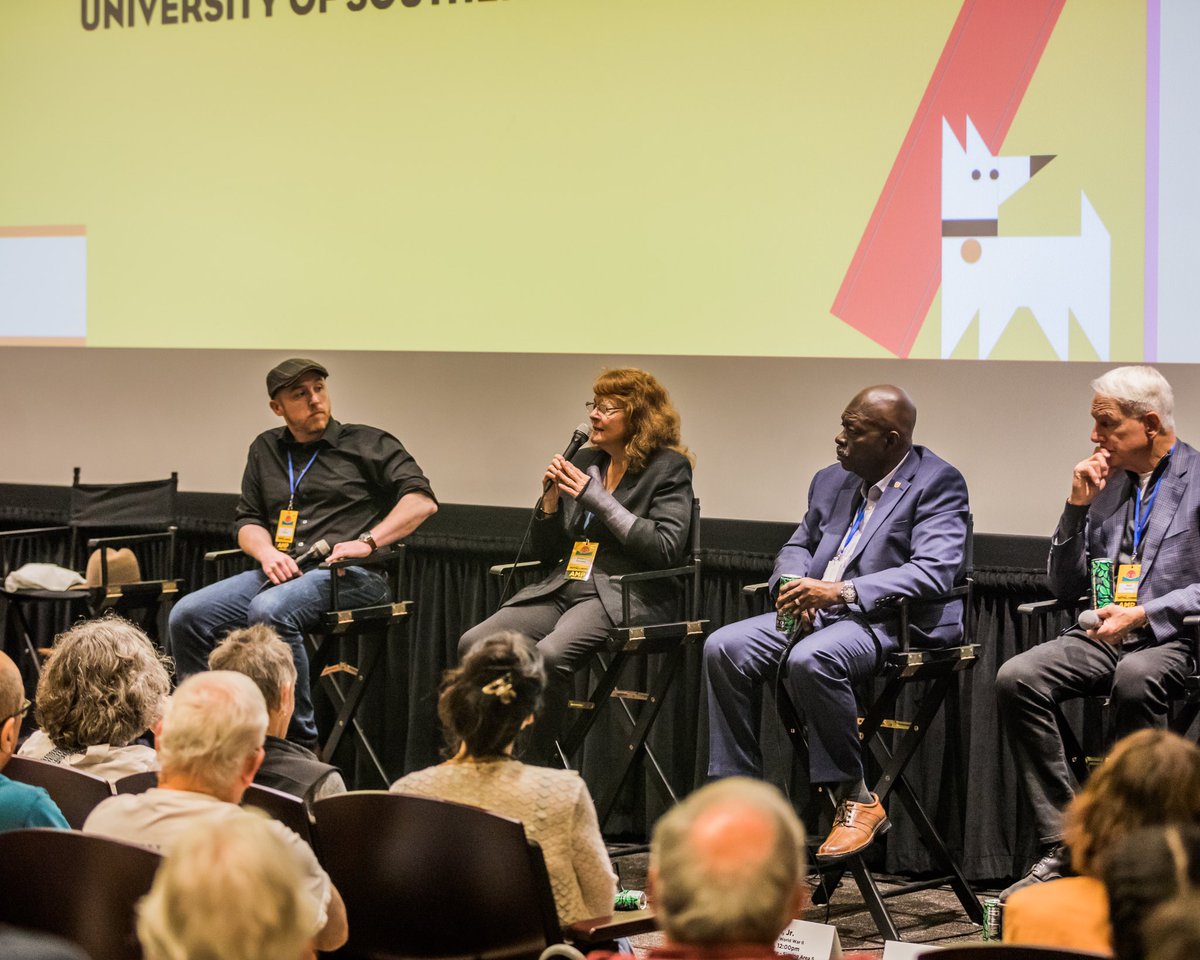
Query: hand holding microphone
point(1113, 623)
point(562, 475)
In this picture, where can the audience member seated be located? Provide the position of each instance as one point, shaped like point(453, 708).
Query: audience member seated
point(484, 703)
point(1151, 778)
point(21, 805)
point(102, 688)
point(233, 893)
point(259, 653)
point(210, 744)
point(33, 945)
point(727, 873)
point(1172, 932)
point(1144, 871)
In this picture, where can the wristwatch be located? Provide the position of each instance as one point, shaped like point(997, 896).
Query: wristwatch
point(368, 540)
point(847, 594)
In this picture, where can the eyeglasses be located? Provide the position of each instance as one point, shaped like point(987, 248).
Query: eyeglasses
point(25, 705)
point(604, 409)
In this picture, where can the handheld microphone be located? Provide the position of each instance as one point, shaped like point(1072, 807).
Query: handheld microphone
point(318, 552)
point(578, 439)
point(1089, 620)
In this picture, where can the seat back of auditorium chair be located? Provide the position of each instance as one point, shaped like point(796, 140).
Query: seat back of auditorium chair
point(1004, 951)
point(136, 782)
point(426, 878)
point(76, 885)
point(284, 807)
point(75, 792)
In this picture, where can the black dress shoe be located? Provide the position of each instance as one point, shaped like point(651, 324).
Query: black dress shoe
point(1054, 864)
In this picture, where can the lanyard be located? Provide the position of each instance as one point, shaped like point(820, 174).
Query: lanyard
point(1140, 522)
point(858, 519)
point(293, 480)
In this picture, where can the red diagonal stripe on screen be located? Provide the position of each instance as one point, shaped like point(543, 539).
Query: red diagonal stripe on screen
point(983, 73)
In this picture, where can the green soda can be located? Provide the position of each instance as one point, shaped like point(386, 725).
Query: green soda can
point(785, 623)
point(993, 919)
point(1104, 570)
point(630, 900)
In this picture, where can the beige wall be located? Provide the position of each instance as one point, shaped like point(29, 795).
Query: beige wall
point(483, 425)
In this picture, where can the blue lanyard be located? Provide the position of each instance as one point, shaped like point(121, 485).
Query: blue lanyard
point(858, 519)
point(293, 480)
point(1140, 522)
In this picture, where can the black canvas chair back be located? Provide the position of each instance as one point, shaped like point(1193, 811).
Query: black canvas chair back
point(425, 878)
point(287, 809)
point(76, 793)
point(78, 886)
point(141, 506)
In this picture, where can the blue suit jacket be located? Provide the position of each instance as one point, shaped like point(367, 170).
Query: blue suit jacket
point(914, 545)
point(1170, 587)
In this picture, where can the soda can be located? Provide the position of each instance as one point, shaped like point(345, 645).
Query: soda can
point(630, 900)
point(1104, 571)
point(785, 623)
point(993, 919)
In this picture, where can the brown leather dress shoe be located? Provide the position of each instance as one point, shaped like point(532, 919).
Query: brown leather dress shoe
point(855, 825)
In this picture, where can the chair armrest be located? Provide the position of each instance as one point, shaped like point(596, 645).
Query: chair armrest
point(380, 557)
point(645, 575)
point(954, 593)
point(217, 556)
point(601, 929)
point(501, 569)
point(103, 543)
point(754, 589)
point(1192, 620)
point(1050, 606)
point(32, 531)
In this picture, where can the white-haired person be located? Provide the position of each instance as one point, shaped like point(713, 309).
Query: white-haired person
point(233, 893)
point(1134, 500)
point(727, 873)
point(210, 743)
point(102, 688)
point(484, 703)
point(259, 653)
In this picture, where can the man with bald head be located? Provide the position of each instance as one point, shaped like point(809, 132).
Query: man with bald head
point(727, 872)
point(21, 805)
point(889, 520)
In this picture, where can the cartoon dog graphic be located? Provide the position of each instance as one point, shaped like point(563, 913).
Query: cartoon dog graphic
point(994, 276)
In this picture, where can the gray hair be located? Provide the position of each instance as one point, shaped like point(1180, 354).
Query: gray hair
point(236, 892)
point(257, 652)
point(104, 683)
point(213, 723)
point(745, 899)
point(1138, 390)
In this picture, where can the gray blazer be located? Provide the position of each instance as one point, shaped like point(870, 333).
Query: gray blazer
point(1170, 587)
point(661, 497)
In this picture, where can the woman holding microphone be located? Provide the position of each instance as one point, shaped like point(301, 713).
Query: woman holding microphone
point(620, 505)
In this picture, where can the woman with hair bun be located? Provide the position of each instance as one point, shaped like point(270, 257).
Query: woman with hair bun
point(484, 703)
point(627, 499)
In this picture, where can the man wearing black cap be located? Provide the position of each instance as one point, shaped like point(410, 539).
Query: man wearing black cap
point(313, 479)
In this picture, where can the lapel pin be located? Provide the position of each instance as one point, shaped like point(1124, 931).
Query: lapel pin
point(896, 484)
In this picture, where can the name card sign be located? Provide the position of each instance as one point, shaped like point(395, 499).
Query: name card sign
point(898, 950)
point(806, 940)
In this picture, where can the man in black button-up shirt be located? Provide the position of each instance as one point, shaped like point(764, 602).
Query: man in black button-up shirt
point(313, 479)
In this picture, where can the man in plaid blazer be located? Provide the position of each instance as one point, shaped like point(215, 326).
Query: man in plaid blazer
point(1136, 501)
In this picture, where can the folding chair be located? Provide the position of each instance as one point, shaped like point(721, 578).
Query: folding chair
point(141, 516)
point(425, 878)
point(287, 809)
point(372, 627)
point(936, 670)
point(81, 887)
point(76, 793)
point(628, 642)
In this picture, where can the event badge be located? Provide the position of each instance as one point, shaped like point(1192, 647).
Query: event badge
point(579, 566)
point(285, 533)
point(1129, 578)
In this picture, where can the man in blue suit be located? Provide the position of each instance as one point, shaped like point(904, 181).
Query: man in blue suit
point(889, 521)
point(1136, 501)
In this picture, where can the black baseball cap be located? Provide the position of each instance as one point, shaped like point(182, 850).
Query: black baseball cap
point(288, 372)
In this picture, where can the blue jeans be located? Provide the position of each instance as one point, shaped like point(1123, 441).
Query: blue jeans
point(201, 619)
